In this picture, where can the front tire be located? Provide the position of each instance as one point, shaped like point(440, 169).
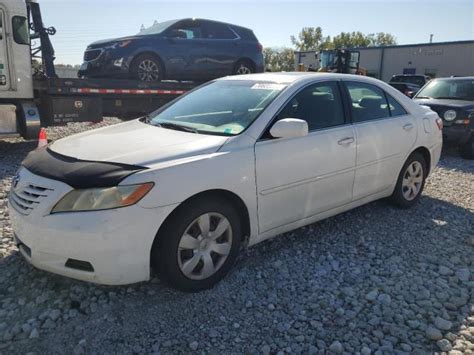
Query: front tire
point(411, 181)
point(147, 68)
point(198, 245)
point(467, 149)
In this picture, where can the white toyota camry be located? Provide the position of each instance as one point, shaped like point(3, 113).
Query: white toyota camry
point(234, 162)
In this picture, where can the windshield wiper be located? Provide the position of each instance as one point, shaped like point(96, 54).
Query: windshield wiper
point(176, 126)
point(451, 98)
point(423, 97)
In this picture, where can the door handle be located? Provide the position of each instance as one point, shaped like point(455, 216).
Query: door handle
point(346, 141)
point(408, 127)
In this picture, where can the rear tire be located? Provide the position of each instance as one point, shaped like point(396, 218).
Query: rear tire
point(243, 67)
point(411, 182)
point(198, 245)
point(147, 68)
point(467, 149)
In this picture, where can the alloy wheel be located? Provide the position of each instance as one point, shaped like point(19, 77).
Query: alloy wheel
point(148, 70)
point(412, 180)
point(204, 246)
point(243, 69)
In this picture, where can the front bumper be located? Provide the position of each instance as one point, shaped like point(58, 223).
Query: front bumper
point(457, 133)
point(106, 65)
point(116, 243)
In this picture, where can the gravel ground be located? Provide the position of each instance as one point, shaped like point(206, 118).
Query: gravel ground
point(373, 280)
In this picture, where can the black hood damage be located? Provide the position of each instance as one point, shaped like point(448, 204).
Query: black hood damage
point(79, 174)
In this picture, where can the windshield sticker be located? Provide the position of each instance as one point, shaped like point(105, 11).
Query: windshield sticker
point(228, 130)
point(267, 86)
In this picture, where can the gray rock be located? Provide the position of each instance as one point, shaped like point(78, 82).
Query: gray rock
point(336, 347)
point(34, 334)
point(445, 271)
point(194, 345)
point(433, 334)
point(365, 351)
point(442, 324)
point(372, 295)
point(444, 345)
point(463, 274)
point(384, 299)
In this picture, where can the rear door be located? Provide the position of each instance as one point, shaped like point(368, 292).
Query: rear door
point(4, 74)
point(223, 48)
point(385, 134)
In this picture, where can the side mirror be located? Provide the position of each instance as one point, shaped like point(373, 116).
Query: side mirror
point(176, 34)
point(289, 128)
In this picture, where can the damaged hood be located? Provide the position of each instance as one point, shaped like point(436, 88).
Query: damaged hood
point(136, 143)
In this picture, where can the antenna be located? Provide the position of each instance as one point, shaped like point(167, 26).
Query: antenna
point(431, 38)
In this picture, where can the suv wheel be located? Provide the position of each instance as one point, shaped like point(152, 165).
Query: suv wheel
point(198, 245)
point(147, 68)
point(243, 67)
point(411, 181)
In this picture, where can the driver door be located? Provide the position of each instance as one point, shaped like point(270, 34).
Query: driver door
point(300, 177)
point(186, 53)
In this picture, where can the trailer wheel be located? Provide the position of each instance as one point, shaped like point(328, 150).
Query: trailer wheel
point(146, 67)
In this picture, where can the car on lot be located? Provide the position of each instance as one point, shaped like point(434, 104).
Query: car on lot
point(229, 164)
point(453, 100)
point(419, 80)
point(187, 49)
point(406, 88)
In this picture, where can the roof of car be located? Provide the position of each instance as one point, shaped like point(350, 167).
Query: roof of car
point(291, 77)
point(456, 78)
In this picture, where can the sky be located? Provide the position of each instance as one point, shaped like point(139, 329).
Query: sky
point(80, 22)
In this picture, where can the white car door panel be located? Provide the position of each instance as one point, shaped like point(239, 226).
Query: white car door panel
point(385, 134)
point(382, 146)
point(300, 177)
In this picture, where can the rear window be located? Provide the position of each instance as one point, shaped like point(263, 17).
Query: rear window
point(219, 31)
point(245, 33)
point(417, 80)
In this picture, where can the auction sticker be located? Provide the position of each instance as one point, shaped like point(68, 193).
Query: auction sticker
point(268, 86)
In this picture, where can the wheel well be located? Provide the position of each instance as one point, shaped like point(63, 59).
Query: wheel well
point(231, 197)
point(426, 154)
point(246, 60)
point(152, 54)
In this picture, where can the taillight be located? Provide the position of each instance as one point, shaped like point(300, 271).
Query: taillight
point(259, 47)
point(439, 123)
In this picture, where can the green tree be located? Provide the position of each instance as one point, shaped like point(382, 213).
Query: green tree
point(309, 39)
point(279, 59)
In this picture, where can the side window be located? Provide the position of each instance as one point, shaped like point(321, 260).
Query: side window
point(20, 30)
point(219, 31)
point(187, 30)
point(395, 108)
point(367, 102)
point(320, 105)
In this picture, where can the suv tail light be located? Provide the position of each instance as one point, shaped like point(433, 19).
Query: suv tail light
point(259, 47)
point(439, 123)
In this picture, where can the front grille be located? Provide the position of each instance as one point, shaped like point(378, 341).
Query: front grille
point(26, 197)
point(92, 54)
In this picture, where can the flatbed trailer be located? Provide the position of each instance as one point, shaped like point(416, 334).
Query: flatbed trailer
point(31, 99)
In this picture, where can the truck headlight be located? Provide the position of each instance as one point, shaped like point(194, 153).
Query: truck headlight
point(449, 115)
point(102, 198)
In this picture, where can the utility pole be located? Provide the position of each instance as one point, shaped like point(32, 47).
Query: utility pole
point(431, 38)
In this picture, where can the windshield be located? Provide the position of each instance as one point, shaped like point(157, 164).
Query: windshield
point(223, 107)
point(449, 89)
point(156, 28)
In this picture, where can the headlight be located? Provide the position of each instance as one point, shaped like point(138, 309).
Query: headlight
point(450, 115)
point(121, 44)
point(102, 198)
